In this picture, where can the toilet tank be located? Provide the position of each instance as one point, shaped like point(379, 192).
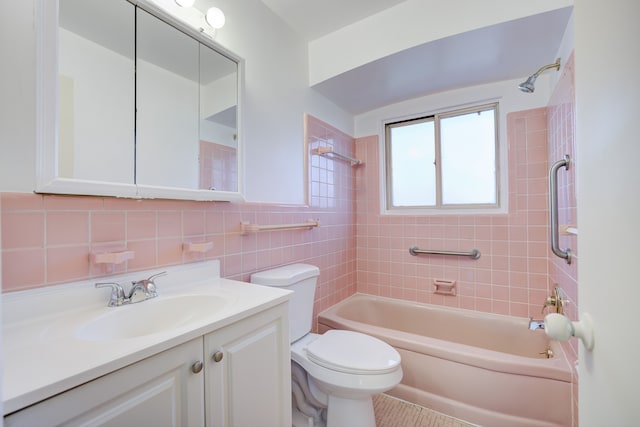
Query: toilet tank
point(301, 279)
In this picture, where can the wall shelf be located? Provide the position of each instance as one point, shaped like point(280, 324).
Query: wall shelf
point(569, 230)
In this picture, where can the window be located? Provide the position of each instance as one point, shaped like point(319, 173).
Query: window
point(446, 160)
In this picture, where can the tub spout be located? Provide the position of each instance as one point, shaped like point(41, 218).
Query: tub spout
point(535, 324)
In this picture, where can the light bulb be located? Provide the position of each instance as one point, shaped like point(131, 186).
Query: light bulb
point(185, 3)
point(215, 17)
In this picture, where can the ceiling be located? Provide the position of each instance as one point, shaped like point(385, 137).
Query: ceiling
point(510, 50)
point(313, 19)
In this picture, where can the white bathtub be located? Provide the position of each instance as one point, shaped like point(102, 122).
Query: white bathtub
point(487, 369)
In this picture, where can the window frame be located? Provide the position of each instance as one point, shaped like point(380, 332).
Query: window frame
point(439, 207)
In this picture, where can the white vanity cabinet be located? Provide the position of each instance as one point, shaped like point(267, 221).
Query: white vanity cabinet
point(238, 375)
point(248, 373)
point(161, 390)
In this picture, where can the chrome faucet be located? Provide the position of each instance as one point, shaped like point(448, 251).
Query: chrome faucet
point(141, 290)
point(535, 324)
point(117, 293)
point(144, 289)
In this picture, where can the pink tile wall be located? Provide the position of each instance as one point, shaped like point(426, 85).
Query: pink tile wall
point(49, 239)
point(331, 188)
point(218, 167)
point(561, 124)
point(517, 269)
point(511, 277)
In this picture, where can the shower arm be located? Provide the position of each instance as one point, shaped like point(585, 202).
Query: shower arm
point(555, 65)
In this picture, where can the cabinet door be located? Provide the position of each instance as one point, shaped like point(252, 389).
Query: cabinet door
point(251, 385)
point(162, 390)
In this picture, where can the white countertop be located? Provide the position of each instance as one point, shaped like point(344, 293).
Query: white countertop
point(43, 354)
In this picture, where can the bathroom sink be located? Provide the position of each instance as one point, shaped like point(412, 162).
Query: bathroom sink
point(149, 317)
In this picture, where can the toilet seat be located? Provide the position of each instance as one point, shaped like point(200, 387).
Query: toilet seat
point(353, 353)
point(335, 384)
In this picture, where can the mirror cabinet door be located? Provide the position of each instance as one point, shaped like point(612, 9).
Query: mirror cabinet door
point(167, 94)
point(146, 106)
point(218, 121)
point(96, 72)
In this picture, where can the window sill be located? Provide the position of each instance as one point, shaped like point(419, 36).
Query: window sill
point(500, 210)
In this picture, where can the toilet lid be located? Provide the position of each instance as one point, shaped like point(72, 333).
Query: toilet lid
point(353, 352)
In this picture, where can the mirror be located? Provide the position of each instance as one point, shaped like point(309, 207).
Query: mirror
point(218, 121)
point(186, 99)
point(96, 81)
point(146, 106)
point(167, 95)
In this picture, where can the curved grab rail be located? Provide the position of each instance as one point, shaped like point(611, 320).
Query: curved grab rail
point(553, 209)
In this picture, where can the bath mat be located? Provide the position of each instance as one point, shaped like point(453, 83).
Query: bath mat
point(392, 412)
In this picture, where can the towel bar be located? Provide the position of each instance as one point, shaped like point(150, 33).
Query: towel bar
point(246, 227)
point(322, 151)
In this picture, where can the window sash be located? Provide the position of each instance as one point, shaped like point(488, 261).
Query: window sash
point(436, 119)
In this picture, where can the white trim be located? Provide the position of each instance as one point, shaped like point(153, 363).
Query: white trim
point(46, 111)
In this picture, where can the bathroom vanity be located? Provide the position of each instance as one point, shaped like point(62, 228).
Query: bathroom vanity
point(70, 360)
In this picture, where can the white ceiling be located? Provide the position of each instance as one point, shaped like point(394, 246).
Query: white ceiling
point(510, 50)
point(315, 18)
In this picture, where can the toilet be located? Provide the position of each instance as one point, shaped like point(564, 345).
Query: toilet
point(333, 375)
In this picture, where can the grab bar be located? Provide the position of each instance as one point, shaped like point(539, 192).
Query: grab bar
point(473, 253)
point(553, 209)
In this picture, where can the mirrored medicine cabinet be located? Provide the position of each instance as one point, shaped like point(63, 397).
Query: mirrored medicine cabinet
point(135, 104)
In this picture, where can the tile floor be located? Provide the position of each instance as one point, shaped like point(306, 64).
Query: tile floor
point(392, 412)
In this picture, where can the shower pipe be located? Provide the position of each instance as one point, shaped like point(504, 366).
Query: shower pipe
point(473, 253)
point(553, 209)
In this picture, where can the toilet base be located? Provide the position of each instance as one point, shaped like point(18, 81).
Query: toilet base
point(350, 412)
point(298, 419)
point(341, 412)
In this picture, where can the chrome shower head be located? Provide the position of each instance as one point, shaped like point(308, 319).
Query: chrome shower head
point(528, 85)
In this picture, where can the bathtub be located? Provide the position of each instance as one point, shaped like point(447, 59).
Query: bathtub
point(483, 368)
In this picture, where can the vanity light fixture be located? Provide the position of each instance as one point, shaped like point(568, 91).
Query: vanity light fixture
point(214, 17)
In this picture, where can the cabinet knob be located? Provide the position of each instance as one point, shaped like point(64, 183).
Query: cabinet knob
point(217, 356)
point(197, 367)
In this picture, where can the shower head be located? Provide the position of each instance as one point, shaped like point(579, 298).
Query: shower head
point(528, 85)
